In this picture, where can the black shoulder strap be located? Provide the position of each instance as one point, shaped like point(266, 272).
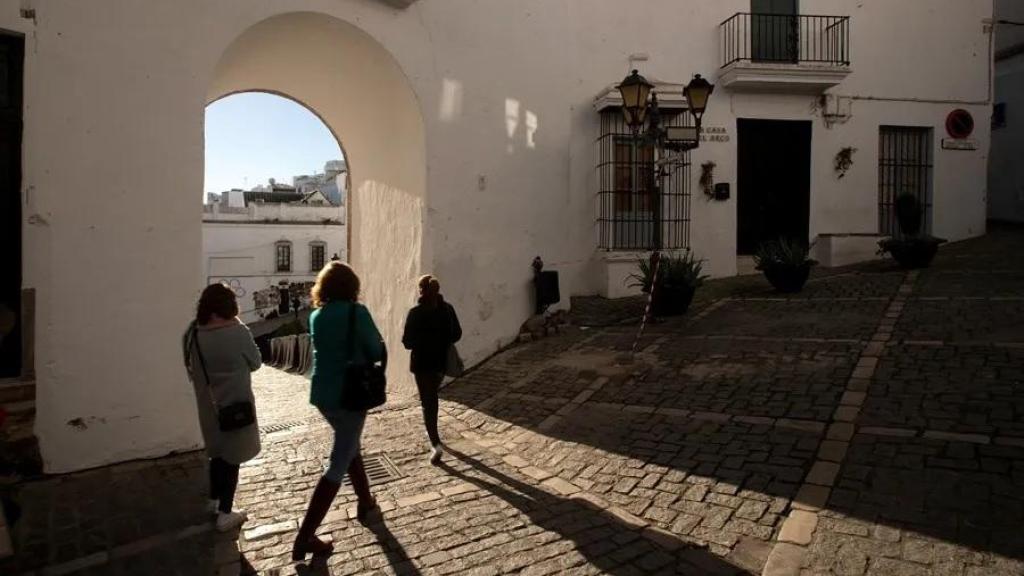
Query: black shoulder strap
point(351, 334)
point(199, 352)
point(202, 364)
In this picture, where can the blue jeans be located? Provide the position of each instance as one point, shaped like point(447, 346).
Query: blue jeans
point(348, 428)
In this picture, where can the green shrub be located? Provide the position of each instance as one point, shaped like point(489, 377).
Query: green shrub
point(783, 253)
point(674, 271)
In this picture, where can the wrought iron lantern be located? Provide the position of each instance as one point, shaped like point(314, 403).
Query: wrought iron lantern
point(640, 110)
point(697, 93)
point(635, 91)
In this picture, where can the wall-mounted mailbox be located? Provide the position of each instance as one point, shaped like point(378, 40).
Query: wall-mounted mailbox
point(722, 191)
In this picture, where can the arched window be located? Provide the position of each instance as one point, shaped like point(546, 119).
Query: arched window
point(283, 250)
point(317, 252)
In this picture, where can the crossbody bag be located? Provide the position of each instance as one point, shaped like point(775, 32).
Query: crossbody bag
point(453, 365)
point(365, 385)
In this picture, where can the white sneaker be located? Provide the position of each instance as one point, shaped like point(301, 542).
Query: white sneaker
point(230, 521)
point(435, 454)
point(212, 505)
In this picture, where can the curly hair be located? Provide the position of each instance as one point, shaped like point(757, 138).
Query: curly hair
point(336, 281)
point(216, 299)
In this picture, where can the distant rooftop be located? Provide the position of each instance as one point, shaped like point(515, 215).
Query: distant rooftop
point(272, 197)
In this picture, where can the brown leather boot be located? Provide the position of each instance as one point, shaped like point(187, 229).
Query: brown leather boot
point(306, 541)
point(361, 486)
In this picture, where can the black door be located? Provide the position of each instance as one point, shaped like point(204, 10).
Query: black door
point(12, 49)
point(774, 30)
point(284, 301)
point(773, 196)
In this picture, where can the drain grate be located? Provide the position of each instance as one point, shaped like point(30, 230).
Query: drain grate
point(379, 469)
point(282, 426)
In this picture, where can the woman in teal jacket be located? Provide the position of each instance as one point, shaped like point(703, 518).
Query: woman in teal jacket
point(334, 296)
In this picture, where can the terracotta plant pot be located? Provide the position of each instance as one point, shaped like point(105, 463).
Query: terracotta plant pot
point(671, 300)
point(788, 279)
point(914, 252)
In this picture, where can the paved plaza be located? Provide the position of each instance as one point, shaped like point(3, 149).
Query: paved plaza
point(872, 424)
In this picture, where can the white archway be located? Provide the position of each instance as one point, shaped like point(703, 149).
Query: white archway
point(355, 86)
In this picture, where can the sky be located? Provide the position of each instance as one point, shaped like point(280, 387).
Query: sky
point(253, 136)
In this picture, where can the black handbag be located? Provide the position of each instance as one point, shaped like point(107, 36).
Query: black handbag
point(233, 416)
point(365, 385)
point(453, 364)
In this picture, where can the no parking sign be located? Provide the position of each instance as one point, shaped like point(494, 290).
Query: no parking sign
point(959, 124)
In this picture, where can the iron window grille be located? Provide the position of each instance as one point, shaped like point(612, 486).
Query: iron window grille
point(317, 253)
point(904, 167)
point(785, 38)
point(627, 198)
point(284, 256)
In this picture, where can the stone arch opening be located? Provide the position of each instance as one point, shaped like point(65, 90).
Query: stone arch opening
point(353, 84)
point(269, 222)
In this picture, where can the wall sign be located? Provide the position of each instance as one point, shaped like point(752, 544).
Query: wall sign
point(959, 123)
point(961, 144)
point(714, 134)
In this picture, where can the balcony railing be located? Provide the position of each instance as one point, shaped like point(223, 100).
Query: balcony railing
point(786, 39)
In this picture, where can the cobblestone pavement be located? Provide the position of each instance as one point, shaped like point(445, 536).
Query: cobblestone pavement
point(872, 424)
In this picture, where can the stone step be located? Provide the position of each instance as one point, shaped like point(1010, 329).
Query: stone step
point(17, 408)
point(19, 449)
point(17, 390)
point(20, 426)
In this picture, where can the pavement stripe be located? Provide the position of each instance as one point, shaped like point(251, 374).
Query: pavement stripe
point(798, 528)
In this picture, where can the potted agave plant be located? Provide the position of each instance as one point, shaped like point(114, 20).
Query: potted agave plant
point(678, 278)
point(911, 248)
point(785, 264)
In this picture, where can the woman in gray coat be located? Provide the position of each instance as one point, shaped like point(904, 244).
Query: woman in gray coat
point(220, 355)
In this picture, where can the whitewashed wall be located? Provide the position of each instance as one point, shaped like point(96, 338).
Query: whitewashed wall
point(469, 131)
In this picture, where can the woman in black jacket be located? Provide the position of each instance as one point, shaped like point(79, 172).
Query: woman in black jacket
point(431, 327)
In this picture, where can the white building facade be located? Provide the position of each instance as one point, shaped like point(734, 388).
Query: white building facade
point(473, 135)
point(332, 182)
point(270, 252)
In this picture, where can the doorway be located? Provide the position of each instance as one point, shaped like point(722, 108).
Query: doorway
point(773, 197)
point(12, 49)
point(775, 30)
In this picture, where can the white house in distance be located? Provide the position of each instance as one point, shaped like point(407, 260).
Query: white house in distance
point(268, 246)
point(477, 136)
point(1006, 171)
point(332, 182)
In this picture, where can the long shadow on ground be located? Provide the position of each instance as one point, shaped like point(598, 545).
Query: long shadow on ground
point(716, 481)
point(603, 540)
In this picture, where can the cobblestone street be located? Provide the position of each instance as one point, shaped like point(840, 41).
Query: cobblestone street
point(872, 424)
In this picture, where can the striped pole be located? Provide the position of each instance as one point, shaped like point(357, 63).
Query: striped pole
point(656, 259)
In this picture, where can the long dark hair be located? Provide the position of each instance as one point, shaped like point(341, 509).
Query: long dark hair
point(216, 299)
